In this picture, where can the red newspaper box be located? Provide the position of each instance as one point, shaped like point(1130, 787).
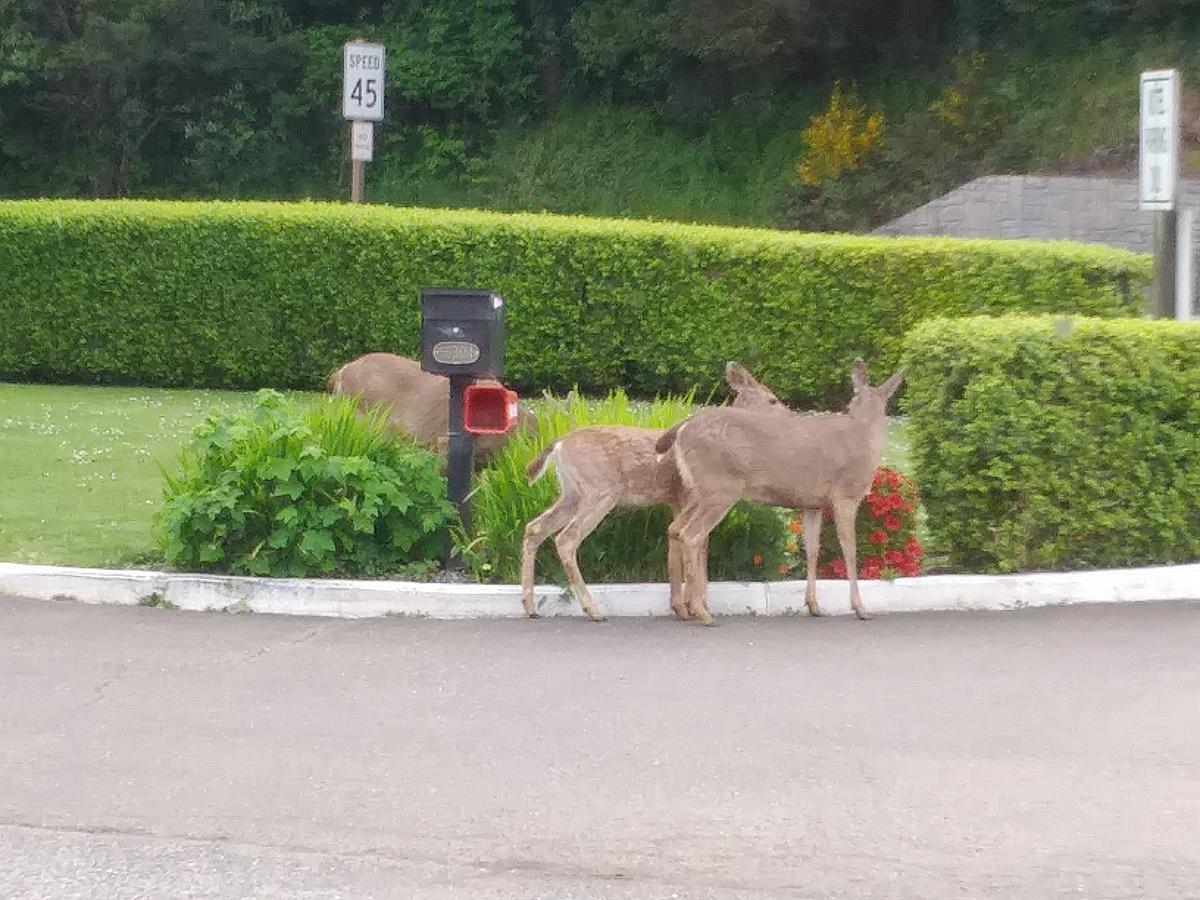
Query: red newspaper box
point(489, 409)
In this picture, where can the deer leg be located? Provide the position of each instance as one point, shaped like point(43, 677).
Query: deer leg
point(844, 512)
point(698, 522)
point(812, 547)
point(538, 529)
point(675, 574)
point(567, 543)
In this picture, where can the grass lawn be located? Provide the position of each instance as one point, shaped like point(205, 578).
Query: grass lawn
point(79, 467)
point(79, 475)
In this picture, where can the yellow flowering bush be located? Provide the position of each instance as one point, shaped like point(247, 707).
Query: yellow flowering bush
point(841, 139)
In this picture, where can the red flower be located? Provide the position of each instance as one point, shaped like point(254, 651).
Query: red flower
point(879, 537)
point(839, 568)
point(871, 567)
point(795, 527)
point(824, 570)
point(913, 546)
point(783, 569)
point(892, 477)
point(894, 557)
point(758, 559)
point(892, 523)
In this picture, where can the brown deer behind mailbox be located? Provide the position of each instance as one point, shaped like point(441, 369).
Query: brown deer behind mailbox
point(417, 401)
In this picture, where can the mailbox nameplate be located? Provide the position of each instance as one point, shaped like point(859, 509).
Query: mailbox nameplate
point(455, 353)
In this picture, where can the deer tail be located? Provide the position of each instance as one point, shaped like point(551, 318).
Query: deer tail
point(667, 441)
point(537, 468)
point(333, 384)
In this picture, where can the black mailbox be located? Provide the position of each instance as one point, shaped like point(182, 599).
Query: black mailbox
point(462, 332)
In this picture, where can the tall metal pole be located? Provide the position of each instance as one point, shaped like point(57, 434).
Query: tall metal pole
point(460, 452)
point(1165, 235)
point(1185, 282)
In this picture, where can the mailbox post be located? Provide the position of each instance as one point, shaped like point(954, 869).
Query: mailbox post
point(462, 337)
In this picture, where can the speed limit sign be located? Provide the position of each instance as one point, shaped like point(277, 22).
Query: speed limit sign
point(362, 81)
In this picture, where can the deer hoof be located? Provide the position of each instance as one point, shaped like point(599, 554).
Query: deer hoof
point(815, 612)
point(535, 615)
point(864, 616)
point(598, 618)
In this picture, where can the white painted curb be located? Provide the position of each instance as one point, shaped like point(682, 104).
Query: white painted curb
point(360, 599)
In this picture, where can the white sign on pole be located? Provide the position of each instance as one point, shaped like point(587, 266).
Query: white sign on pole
point(362, 141)
point(1158, 159)
point(362, 81)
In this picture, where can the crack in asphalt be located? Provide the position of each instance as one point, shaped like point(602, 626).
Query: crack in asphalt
point(311, 633)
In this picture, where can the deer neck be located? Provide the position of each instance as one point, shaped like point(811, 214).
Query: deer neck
point(873, 431)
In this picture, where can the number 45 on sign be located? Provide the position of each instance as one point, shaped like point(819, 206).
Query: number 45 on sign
point(362, 81)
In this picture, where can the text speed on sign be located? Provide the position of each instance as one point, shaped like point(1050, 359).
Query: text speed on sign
point(362, 81)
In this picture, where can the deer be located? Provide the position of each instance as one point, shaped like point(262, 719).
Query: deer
point(776, 456)
point(417, 401)
point(603, 466)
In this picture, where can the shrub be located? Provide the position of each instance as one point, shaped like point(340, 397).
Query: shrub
point(252, 294)
point(277, 491)
point(630, 545)
point(887, 544)
point(1057, 443)
point(840, 139)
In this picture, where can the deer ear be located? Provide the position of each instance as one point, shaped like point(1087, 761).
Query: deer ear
point(859, 376)
point(889, 387)
point(737, 376)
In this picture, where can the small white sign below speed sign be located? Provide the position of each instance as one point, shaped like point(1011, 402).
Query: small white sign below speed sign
point(362, 81)
point(362, 141)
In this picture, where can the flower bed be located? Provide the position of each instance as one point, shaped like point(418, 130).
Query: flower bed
point(887, 543)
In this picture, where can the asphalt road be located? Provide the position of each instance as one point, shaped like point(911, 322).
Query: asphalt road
point(160, 754)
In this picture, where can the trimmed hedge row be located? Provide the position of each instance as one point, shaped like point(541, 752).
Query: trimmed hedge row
point(261, 294)
point(1052, 443)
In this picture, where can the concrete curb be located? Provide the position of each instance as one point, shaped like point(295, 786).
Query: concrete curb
point(362, 599)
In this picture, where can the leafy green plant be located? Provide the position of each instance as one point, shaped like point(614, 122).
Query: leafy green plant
point(630, 545)
point(276, 294)
point(1056, 443)
point(280, 491)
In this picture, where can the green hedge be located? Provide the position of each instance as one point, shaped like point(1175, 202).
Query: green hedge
point(253, 294)
point(1052, 443)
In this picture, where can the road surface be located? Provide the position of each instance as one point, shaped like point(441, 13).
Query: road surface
point(156, 753)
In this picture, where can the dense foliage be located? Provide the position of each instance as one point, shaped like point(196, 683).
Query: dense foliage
point(208, 98)
point(631, 544)
point(255, 294)
point(1057, 443)
point(283, 491)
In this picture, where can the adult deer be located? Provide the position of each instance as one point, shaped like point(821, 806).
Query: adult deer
point(603, 466)
point(417, 401)
point(780, 458)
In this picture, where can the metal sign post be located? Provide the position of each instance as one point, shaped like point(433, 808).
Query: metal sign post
point(362, 104)
point(362, 147)
point(1158, 175)
point(1185, 281)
